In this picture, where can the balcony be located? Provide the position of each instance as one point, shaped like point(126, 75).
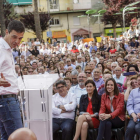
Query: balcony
point(82, 4)
point(54, 5)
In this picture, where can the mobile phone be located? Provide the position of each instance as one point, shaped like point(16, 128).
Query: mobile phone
point(129, 73)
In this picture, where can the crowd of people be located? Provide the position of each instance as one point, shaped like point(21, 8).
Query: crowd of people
point(97, 80)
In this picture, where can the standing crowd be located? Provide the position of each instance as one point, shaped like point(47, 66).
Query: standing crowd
point(99, 83)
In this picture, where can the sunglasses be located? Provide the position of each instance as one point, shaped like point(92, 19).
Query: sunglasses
point(125, 66)
point(88, 72)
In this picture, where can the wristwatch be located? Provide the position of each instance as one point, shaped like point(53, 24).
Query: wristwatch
point(58, 106)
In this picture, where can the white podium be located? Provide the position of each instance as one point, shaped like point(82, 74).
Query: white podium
point(36, 102)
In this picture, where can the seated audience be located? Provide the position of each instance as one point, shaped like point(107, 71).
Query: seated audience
point(133, 108)
point(63, 111)
point(89, 108)
point(111, 114)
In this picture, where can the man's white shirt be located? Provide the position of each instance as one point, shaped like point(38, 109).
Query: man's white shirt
point(7, 67)
point(69, 102)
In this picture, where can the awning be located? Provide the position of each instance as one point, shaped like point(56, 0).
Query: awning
point(58, 34)
point(20, 2)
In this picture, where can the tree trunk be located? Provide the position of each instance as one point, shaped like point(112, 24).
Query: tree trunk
point(2, 21)
point(114, 30)
point(37, 20)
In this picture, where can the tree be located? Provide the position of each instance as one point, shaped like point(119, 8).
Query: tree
point(2, 21)
point(29, 21)
point(113, 7)
point(37, 21)
point(8, 13)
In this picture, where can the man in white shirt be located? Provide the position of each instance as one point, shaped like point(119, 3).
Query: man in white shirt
point(10, 119)
point(43, 50)
point(37, 42)
point(63, 111)
point(79, 62)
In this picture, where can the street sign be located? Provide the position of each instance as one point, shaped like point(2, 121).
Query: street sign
point(49, 34)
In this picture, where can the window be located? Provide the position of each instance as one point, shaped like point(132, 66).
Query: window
point(75, 1)
point(55, 21)
point(76, 21)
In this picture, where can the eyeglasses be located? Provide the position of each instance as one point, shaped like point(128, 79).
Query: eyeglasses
point(113, 66)
point(60, 87)
point(113, 56)
point(125, 66)
point(81, 77)
point(68, 61)
point(88, 72)
point(96, 72)
point(30, 71)
point(117, 70)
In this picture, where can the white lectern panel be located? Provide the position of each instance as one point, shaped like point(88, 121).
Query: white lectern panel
point(37, 104)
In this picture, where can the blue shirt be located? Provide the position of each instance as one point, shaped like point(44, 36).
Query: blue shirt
point(133, 102)
point(120, 79)
point(15, 54)
point(78, 92)
point(99, 82)
point(69, 66)
point(91, 48)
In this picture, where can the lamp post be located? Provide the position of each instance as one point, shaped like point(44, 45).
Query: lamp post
point(127, 8)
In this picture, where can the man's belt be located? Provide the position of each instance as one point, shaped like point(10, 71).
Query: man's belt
point(8, 96)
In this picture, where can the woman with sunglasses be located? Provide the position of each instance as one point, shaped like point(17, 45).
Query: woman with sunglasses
point(125, 66)
point(89, 108)
point(88, 71)
point(111, 114)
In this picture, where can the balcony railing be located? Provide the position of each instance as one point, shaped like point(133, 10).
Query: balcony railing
point(54, 6)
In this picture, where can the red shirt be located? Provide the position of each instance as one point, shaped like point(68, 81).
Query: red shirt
point(75, 51)
point(90, 111)
point(112, 51)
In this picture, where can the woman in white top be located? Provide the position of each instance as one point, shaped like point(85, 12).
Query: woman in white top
point(131, 32)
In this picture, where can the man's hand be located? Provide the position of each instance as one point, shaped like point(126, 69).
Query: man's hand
point(3, 82)
point(134, 117)
point(138, 115)
point(63, 111)
point(129, 83)
point(62, 107)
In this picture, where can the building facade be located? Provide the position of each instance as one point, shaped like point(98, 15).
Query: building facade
point(65, 25)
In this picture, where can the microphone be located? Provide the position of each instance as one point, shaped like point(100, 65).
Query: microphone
point(20, 69)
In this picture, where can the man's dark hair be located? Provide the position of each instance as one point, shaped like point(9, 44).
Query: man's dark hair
point(60, 82)
point(24, 68)
point(34, 62)
point(16, 25)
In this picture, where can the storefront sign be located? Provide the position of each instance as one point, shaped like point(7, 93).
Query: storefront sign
point(58, 34)
point(88, 40)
